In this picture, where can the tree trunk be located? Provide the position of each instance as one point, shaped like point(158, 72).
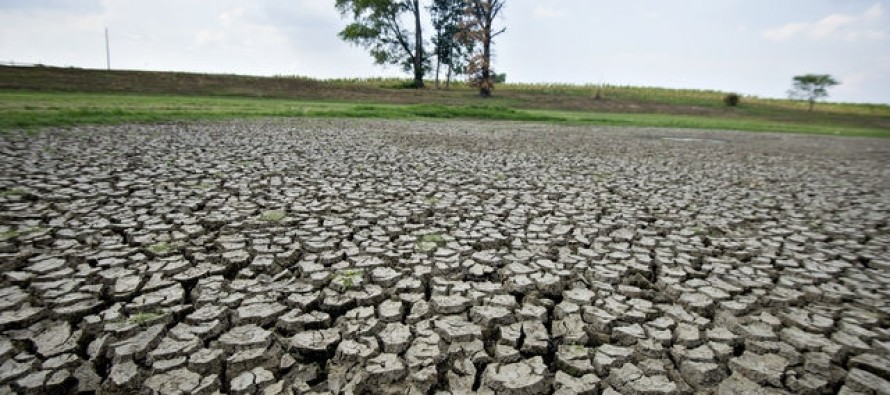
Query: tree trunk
point(418, 47)
point(811, 102)
point(438, 63)
point(450, 63)
point(485, 83)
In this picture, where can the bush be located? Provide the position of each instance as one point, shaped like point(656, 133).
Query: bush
point(732, 99)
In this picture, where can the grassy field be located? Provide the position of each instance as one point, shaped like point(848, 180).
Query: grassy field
point(43, 96)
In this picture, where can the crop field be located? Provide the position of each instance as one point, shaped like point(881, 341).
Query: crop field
point(325, 255)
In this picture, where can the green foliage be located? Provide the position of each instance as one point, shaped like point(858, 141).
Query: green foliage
point(500, 78)
point(450, 45)
point(377, 25)
point(811, 87)
point(732, 99)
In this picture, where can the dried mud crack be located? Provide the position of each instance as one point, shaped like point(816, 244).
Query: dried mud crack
point(354, 257)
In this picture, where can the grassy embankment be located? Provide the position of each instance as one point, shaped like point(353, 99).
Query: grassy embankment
point(43, 96)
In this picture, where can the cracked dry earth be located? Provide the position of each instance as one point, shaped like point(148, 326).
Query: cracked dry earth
point(336, 256)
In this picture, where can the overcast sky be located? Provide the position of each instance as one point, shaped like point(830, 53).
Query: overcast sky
point(749, 46)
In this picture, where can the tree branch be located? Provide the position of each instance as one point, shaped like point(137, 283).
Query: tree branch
point(393, 25)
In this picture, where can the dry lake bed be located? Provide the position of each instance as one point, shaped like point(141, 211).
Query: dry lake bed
point(384, 257)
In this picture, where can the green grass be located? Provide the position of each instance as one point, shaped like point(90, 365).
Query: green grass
point(707, 122)
point(24, 110)
point(38, 97)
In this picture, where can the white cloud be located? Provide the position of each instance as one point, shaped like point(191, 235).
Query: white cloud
point(227, 17)
point(868, 25)
point(547, 12)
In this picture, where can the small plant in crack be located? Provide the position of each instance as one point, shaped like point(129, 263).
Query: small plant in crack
point(9, 234)
point(500, 177)
point(431, 200)
point(347, 277)
point(602, 176)
point(429, 242)
point(144, 318)
point(13, 192)
point(159, 248)
point(272, 216)
point(431, 238)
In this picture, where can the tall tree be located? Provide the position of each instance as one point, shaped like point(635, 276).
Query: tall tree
point(811, 87)
point(450, 46)
point(480, 26)
point(379, 26)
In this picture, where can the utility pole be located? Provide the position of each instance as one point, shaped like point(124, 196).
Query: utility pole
point(107, 51)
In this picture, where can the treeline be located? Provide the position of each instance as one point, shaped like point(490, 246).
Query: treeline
point(461, 41)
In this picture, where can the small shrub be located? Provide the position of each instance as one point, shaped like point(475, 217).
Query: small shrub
point(8, 234)
point(272, 216)
point(347, 277)
point(159, 248)
point(142, 319)
point(429, 242)
point(13, 192)
point(732, 99)
point(11, 234)
point(431, 238)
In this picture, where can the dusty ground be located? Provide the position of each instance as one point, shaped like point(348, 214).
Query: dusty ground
point(392, 257)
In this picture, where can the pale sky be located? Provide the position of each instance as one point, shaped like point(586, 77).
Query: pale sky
point(749, 46)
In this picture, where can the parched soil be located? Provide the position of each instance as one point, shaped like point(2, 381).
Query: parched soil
point(337, 256)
